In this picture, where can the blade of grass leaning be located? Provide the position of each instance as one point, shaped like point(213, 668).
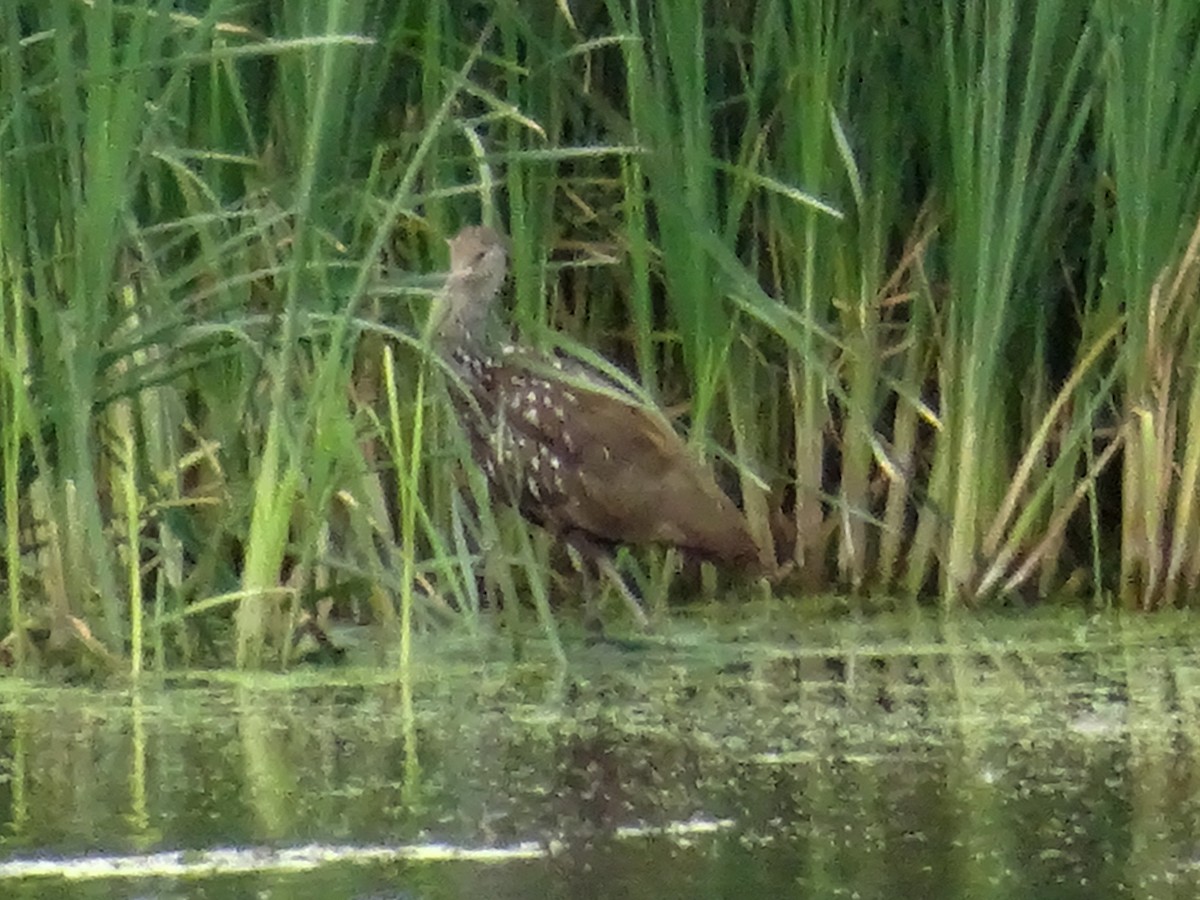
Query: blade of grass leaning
point(17, 422)
point(1182, 563)
point(1151, 92)
point(408, 462)
point(283, 459)
point(1003, 146)
point(275, 491)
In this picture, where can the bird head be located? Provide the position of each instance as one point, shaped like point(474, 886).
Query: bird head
point(478, 267)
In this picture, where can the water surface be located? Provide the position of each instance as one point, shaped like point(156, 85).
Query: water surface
point(900, 755)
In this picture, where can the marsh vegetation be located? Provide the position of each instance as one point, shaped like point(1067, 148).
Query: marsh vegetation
point(920, 279)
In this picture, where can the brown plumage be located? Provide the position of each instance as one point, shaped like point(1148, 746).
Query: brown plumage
point(568, 447)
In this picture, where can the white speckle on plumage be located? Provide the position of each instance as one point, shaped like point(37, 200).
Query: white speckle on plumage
point(569, 397)
point(530, 415)
point(508, 349)
point(554, 463)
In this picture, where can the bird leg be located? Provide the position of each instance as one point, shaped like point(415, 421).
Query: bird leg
point(594, 558)
point(607, 569)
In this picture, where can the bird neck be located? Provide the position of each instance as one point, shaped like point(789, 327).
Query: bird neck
point(462, 315)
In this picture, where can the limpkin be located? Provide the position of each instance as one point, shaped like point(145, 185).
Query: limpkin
point(565, 445)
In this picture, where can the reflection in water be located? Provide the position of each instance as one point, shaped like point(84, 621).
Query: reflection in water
point(862, 762)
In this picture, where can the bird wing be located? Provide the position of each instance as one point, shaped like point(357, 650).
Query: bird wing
point(577, 453)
